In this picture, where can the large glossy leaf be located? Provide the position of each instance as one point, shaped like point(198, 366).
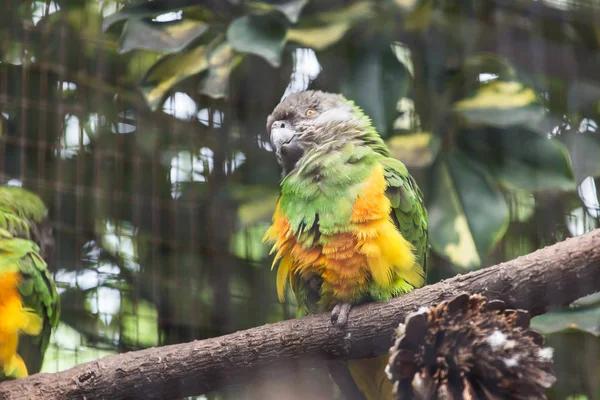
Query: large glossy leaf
point(584, 149)
point(377, 81)
point(322, 30)
point(582, 318)
point(169, 71)
point(151, 9)
point(259, 207)
point(139, 63)
point(290, 8)
point(467, 212)
point(415, 149)
point(262, 36)
point(501, 103)
point(318, 38)
point(165, 37)
point(222, 60)
point(589, 300)
point(521, 159)
point(417, 13)
point(480, 69)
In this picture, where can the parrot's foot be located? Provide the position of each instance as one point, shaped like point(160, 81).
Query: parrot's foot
point(339, 314)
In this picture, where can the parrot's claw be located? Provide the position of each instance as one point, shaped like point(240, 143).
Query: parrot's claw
point(339, 314)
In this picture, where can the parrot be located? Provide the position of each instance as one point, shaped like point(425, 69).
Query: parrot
point(29, 301)
point(350, 225)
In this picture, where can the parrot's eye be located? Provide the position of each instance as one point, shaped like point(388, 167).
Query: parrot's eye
point(311, 112)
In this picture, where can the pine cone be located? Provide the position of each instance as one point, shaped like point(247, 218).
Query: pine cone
point(469, 348)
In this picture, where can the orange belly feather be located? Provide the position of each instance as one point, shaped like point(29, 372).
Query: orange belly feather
point(372, 251)
point(14, 319)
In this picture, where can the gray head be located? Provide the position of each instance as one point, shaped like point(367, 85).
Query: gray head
point(306, 120)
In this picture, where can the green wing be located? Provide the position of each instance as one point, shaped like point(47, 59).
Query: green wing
point(19, 210)
point(408, 210)
point(21, 214)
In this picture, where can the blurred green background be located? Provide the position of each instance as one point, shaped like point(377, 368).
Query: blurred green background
point(141, 125)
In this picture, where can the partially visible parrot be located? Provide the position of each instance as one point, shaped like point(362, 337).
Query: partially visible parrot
point(29, 302)
point(350, 226)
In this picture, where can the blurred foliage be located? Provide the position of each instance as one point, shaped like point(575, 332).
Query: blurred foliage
point(583, 315)
point(142, 126)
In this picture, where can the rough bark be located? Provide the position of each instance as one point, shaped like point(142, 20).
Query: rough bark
point(548, 278)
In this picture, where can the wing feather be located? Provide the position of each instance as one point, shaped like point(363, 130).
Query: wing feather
point(408, 210)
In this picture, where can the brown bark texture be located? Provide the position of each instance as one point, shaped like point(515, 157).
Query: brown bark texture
point(545, 279)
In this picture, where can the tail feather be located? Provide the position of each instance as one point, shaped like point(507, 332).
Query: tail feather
point(15, 368)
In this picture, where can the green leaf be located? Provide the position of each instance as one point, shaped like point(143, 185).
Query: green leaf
point(501, 103)
point(491, 66)
point(247, 243)
point(584, 149)
point(143, 10)
point(188, 9)
point(139, 319)
point(585, 319)
point(415, 149)
point(169, 71)
point(165, 37)
point(290, 8)
point(259, 208)
point(578, 397)
point(589, 300)
point(139, 63)
point(376, 82)
point(327, 28)
point(417, 13)
point(407, 5)
point(318, 37)
point(521, 159)
point(222, 60)
point(262, 36)
point(467, 213)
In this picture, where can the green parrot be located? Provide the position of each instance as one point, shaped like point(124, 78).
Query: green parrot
point(350, 225)
point(29, 302)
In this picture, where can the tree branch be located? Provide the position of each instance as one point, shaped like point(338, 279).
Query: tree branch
point(548, 278)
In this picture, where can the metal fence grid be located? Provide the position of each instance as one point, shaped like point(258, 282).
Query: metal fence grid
point(149, 249)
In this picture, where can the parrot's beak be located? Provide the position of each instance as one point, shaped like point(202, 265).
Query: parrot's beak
point(287, 147)
point(282, 132)
point(290, 154)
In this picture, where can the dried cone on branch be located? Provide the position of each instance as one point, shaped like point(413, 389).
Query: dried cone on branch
point(469, 348)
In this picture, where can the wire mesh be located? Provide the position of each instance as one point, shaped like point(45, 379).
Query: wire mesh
point(133, 195)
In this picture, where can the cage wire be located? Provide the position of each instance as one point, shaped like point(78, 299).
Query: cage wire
point(153, 245)
point(134, 196)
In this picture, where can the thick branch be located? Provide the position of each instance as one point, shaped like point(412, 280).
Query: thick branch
point(547, 278)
